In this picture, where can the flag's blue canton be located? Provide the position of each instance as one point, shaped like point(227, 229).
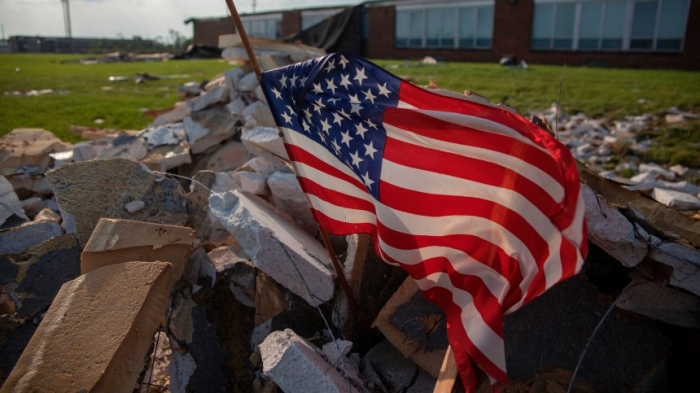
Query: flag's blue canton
point(338, 101)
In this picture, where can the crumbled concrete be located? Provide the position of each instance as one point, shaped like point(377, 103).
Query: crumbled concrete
point(676, 199)
point(28, 148)
point(177, 114)
point(18, 239)
point(47, 215)
point(258, 114)
point(288, 196)
point(658, 302)
point(261, 139)
point(9, 203)
point(88, 191)
point(275, 245)
point(130, 147)
point(335, 350)
point(219, 95)
point(32, 278)
point(168, 134)
point(166, 157)
point(228, 157)
point(286, 356)
point(611, 231)
point(208, 128)
point(94, 338)
point(134, 206)
point(252, 182)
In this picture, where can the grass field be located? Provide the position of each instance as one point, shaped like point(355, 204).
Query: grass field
point(594, 91)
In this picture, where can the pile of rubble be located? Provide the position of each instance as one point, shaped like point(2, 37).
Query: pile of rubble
point(612, 148)
point(184, 258)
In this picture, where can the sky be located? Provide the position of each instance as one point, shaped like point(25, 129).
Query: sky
point(127, 18)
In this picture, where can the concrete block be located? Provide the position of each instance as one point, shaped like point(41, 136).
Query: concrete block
point(286, 357)
point(676, 199)
point(288, 196)
point(611, 231)
point(118, 241)
point(17, 239)
point(279, 248)
point(9, 203)
point(209, 127)
point(96, 333)
point(261, 139)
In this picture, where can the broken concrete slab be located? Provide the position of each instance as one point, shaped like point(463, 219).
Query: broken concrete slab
point(248, 83)
point(216, 96)
point(88, 191)
point(32, 278)
point(28, 148)
point(288, 196)
point(270, 299)
point(659, 302)
point(279, 248)
point(611, 231)
point(266, 164)
point(676, 199)
point(163, 158)
point(117, 241)
point(181, 324)
point(335, 350)
point(252, 182)
point(9, 203)
point(200, 270)
point(386, 370)
point(134, 206)
point(261, 139)
point(26, 184)
point(258, 114)
point(130, 147)
point(17, 239)
point(285, 356)
point(209, 127)
point(232, 261)
point(176, 115)
point(107, 333)
point(685, 263)
point(167, 134)
point(229, 157)
point(653, 168)
point(181, 368)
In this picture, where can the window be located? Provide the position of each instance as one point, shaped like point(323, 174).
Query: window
point(467, 25)
point(311, 18)
point(610, 25)
point(267, 26)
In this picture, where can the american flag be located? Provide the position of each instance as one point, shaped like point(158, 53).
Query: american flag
point(481, 206)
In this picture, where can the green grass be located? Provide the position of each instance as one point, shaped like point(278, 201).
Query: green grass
point(596, 92)
point(92, 95)
point(612, 93)
point(678, 144)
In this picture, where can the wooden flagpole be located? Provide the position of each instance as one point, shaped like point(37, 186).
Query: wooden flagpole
point(448, 380)
point(354, 308)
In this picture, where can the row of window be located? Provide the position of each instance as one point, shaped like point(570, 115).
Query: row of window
point(445, 27)
point(588, 25)
point(270, 25)
point(642, 25)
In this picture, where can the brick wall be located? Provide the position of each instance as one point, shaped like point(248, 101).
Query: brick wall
point(512, 34)
point(291, 23)
point(208, 32)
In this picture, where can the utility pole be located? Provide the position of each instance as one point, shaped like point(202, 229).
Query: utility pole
point(255, 3)
point(66, 21)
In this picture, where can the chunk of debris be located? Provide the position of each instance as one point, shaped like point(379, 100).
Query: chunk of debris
point(177, 114)
point(47, 215)
point(261, 139)
point(659, 302)
point(33, 277)
point(676, 199)
point(97, 332)
point(134, 206)
point(290, 198)
point(208, 128)
point(286, 356)
point(167, 157)
point(117, 241)
point(279, 248)
point(28, 148)
point(20, 238)
point(387, 370)
point(219, 95)
point(258, 114)
point(611, 231)
point(9, 203)
point(168, 134)
point(88, 191)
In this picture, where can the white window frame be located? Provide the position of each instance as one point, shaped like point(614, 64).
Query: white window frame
point(276, 18)
point(627, 31)
point(457, 6)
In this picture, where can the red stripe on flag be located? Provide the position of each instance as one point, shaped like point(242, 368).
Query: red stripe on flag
point(479, 171)
point(434, 205)
point(431, 127)
point(296, 153)
point(335, 197)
